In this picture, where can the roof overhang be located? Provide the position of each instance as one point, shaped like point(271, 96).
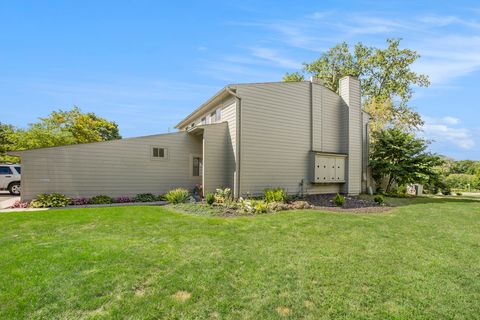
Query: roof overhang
point(222, 94)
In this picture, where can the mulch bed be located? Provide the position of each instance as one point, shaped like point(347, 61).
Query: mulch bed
point(352, 204)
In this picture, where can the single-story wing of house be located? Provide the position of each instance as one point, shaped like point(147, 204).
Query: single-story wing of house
point(299, 136)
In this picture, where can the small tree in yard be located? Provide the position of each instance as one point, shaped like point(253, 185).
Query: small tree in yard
point(402, 158)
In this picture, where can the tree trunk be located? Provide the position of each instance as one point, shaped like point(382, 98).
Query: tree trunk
point(390, 182)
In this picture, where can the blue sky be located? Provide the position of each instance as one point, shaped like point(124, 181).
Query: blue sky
point(147, 64)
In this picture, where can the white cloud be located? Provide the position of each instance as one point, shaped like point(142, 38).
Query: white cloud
point(449, 46)
point(443, 130)
point(448, 120)
point(273, 56)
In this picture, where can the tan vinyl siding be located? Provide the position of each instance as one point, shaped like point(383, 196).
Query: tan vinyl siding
point(330, 118)
point(115, 168)
point(350, 92)
point(228, 108)
point(215, 157)
point(276, 138)
point(229, 115)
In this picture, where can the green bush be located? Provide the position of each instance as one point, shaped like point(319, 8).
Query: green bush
point(275, 195)
point(51, 200)
point(100, 199)
point(339, 200)
point(402, 190)
point(145, 197)
point(446, 191)
point(178, 195)
point(253, 206)
point(462, 181)
point(259, 206)
point(379, 199)
point(210, 198)
point(223, 195)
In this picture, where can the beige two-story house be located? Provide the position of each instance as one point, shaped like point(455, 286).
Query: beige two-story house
point(299, 136)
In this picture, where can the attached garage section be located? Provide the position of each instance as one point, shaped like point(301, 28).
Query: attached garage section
point(153, 164)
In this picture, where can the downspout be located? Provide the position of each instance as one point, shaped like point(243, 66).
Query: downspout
point(311, 116)
point(239, 136)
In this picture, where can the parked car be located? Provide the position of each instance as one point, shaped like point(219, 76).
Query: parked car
point(10, 175)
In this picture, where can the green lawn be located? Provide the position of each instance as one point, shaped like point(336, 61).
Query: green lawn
point(419, 261)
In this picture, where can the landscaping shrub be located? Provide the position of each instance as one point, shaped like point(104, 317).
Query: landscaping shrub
point(446, 191)
point(178, 195)
point(145, 197)
point(210, 198)
point(277, 206)
point(259, 206)
point(379, 199)
point(339, 200)
point(100, 199)
point(78, 201)
point(253, 206)
point(300, 205)
point(223, 195)
point(51, 200)
point(275, 195)
point(402, 190)
point(20, 204)
point(123, 200)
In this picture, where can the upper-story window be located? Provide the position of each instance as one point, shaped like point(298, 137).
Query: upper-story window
point(204, 120)
point(215, 116)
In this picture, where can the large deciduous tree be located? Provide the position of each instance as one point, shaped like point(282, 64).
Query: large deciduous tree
point(385, 75)
point(59, 128)
point(402, 158)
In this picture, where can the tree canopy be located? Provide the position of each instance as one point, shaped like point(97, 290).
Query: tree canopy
point(59, 128)
point(386, 78)
point(402, 158)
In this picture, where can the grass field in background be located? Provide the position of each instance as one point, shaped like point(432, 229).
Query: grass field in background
point(421, 260)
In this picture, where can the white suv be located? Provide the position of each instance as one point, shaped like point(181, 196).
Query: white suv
point(10, 178)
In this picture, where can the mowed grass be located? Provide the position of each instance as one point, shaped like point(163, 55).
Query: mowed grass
point(419, 261)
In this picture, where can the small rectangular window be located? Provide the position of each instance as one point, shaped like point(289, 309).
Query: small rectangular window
point(197, 167)
point(218, 115)
point(204, 120)
point(158, 153)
